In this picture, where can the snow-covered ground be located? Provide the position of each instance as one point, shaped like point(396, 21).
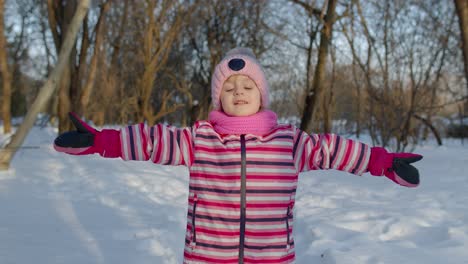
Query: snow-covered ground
point(56, 208)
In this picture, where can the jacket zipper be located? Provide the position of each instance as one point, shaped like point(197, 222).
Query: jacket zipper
point(287, 226)
point(243, 202)
point(194, 233)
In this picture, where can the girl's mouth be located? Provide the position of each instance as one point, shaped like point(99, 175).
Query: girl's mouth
point(240, 102)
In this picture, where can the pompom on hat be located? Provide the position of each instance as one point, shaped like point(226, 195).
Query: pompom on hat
point(239, 61)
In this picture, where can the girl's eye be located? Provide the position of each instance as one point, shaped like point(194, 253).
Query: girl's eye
point(248, 88)
point(229, 89)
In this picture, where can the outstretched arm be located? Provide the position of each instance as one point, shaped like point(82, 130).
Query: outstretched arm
point(329, 151)
point(161, 143)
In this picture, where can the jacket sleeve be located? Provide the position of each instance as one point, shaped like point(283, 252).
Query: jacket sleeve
point(329, 151)
point(161, 144)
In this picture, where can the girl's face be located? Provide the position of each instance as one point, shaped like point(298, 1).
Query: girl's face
point(240, 96)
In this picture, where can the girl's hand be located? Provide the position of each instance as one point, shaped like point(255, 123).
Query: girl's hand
point(395, 166)
point(87, 140)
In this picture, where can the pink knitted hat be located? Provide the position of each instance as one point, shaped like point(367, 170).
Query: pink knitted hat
point(238, 61)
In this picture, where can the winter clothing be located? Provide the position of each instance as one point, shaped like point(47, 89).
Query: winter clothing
point(242, 187)
point(395, 166)
point(87, 140)
point(239, 61)
point(258, 124)
point(227, 171)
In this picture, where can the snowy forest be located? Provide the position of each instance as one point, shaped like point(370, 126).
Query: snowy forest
point(393, 69)
point(390, 73)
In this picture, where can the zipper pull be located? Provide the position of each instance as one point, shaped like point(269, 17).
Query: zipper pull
point(192, 245)
point(290, 207)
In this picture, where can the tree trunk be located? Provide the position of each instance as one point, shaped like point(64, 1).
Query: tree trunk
point(6, 75)
point(64, 98)
point(327, 102)
point(357, 85)
point(60, 14)
point(313, 96)
point(88, 88)
point(46, 91)
point(462, 11)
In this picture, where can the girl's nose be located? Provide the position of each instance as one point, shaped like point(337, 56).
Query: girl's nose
point(238, 91)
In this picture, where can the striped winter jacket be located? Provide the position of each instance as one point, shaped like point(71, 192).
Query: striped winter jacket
point(242, 187)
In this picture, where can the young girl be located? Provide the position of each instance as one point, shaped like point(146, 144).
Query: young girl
point(243, 165)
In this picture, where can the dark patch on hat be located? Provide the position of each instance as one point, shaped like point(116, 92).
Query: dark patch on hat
point(236, 64)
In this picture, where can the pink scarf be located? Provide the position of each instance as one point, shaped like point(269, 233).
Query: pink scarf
point(258, 124)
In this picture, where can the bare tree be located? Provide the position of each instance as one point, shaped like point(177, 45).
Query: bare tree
point(6, 154)
point(156, 49)
point(99, 36)
point(462, 12)
point(60, 14)
point(106, 66)
point(401, 75)
point(315, 94)
point(309, 49)
point(6, 74)
point(16, 57)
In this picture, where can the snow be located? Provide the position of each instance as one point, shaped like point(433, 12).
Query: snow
point(57, 208)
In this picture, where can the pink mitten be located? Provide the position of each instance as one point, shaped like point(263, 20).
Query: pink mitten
point(395, 166)
point(87, 140)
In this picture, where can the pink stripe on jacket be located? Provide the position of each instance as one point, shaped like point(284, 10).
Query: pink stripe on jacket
point(273, 163)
